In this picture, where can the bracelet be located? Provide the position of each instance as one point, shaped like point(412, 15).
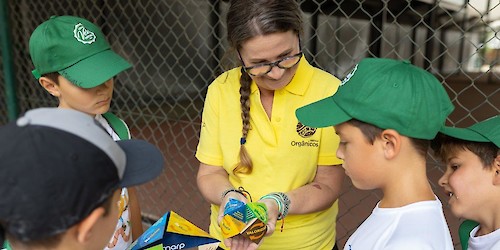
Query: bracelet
point(278, 201)
point(282, 200)
point(240, 190)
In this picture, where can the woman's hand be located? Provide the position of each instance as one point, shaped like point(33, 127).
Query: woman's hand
point(240, 242)
point(272, 214)
point(230, 195)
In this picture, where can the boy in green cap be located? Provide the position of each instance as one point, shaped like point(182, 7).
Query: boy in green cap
point(472, 180)
point(74, 62)
point(386, 112)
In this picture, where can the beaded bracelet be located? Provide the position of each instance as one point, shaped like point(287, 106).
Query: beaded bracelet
point(286, 202)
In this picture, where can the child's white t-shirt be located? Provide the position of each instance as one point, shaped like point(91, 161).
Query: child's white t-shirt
point(489, 241)
point(417, 226)
point(122, 237)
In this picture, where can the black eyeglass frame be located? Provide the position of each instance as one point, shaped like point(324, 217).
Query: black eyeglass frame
point(272, 64)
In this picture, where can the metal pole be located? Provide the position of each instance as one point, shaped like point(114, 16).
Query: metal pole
point(8, 62)
point(215, 39)
point(464, 25)
point(429, 44)
point(314, 38)
point(375, 37)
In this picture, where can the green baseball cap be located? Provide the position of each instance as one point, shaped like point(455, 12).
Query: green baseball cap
point(485, 131)
point(387, 93)
point(76, 49)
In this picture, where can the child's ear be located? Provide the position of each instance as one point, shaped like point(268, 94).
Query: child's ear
point(87, 226)
point(496, 170)
point(49, 85)
point(391, 140)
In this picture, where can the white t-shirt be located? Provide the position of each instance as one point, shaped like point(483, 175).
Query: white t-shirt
point(417, 226)
point(489, 241)
point(122, 238)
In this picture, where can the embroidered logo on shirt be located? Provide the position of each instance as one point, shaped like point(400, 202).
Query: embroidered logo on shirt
point(305, 131)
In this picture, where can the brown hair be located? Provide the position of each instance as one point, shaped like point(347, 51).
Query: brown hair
point(247, 19)
point(445, 146)
point(371, 132)
point(54, 76)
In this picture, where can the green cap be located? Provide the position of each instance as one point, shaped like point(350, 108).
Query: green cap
point(485, 131)
point(387, 93)
point(76, 49)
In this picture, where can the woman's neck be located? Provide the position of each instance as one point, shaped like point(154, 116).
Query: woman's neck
point(267, 98)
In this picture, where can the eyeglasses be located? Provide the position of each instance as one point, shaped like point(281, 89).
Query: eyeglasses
point(264, 68)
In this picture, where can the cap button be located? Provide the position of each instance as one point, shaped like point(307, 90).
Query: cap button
point(52, 17)
point(406, 62)
point(23, 121)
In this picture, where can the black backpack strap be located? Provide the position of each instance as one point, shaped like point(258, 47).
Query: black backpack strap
point(118, 125)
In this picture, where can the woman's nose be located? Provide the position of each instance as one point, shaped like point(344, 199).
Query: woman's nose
point(276, 73)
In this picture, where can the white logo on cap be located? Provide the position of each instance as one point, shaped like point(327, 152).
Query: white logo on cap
point(83, 35)
point(348, 76)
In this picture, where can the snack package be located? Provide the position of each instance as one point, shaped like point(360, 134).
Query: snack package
point(248, 220)
point(172, 231)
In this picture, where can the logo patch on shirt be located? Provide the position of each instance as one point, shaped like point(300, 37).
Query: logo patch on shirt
point(305, 131)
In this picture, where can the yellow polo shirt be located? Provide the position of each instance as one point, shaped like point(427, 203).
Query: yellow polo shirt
point(285, 154)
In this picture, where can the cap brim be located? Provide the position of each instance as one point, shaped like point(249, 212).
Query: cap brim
point(95, 70)
point(144, 162)
point(323, 113)
point(464, 134)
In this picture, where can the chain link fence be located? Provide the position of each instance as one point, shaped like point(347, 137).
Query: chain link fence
point(178, 47)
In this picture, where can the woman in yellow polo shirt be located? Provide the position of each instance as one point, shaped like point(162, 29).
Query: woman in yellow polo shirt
point(250, 137)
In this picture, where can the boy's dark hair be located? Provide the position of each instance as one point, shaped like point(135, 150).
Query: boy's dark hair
point(54, 76)
point(371, 132)
point(53, 241)
point(444, 146)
